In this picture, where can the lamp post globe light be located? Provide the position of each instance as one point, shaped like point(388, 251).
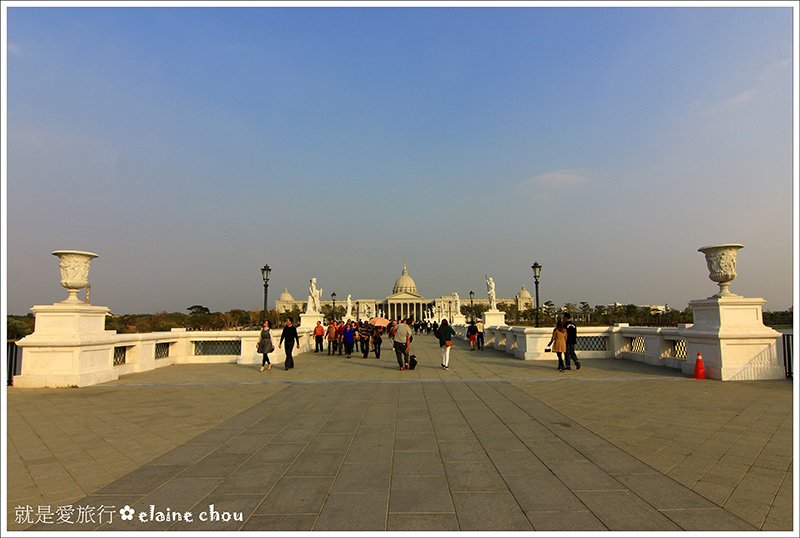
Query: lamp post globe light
point(537, 272)
point(333, 315)
point(265, 277)
point(471, 308)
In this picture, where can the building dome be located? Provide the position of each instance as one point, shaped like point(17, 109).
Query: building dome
point(286, 296)
point(524, 294)
point(405, 283)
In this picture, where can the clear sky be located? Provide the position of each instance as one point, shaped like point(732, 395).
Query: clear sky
point(190, 146)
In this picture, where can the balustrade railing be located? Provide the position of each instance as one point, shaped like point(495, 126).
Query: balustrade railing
point(638, 345)
point(13, 362)
point(217, 347)
point(679, 349)
point(161, 350)
point(661, 346)
point(591, 343)
point(129, 353)
point(120, 353)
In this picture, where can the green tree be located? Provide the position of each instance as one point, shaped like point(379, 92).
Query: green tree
point(294, 313)
point(548, 313)
point(18, 326)
point(197, 310)
point(511, 310)
point(781, 318)
point(586, 312)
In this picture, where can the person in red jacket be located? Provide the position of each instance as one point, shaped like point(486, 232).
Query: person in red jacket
point(319, 332)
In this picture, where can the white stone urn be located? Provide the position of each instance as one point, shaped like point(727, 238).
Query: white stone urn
point(721, 260)
point(74, 265)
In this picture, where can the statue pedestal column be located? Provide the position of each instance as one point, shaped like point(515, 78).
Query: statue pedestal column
point(69, 347)
point(459, 319)
point(494, 318)
point(309, 319)
point(736, 345)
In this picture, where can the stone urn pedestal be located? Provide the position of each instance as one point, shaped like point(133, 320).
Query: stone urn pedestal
point(729, 330)
point(494, 318)
point(736, 345)
point(69, 346)
point(459, 319)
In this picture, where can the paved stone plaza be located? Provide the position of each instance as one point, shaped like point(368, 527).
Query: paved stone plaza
point(336, 444)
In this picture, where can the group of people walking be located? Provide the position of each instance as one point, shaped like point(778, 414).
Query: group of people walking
point(343, 337)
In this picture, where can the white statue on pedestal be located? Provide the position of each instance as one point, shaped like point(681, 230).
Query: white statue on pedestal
point(492, 296)
point(349, 313)
point(458, 302)
point(313, 297)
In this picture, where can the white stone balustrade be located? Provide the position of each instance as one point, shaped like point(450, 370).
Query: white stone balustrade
point(658, 346)
point(71, 358)
point(49, 362)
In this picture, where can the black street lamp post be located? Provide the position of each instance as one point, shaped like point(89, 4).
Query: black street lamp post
point(265, 276)
point(333, 296)
point(537, 272)
point(471, 308)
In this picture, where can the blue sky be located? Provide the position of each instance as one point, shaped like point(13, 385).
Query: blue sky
point(189, 146)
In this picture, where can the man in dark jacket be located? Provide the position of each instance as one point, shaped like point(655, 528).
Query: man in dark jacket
point(572, 338)
point(290, 335)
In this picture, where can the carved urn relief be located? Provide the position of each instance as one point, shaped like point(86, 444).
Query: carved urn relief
point(721, 260)
point(74, 265)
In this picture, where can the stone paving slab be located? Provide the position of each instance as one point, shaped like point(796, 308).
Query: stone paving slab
point(492, 444)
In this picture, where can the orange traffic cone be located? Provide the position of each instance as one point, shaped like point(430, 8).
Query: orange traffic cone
point(699, 367)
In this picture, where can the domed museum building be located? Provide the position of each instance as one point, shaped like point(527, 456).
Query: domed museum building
point(404, 301)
